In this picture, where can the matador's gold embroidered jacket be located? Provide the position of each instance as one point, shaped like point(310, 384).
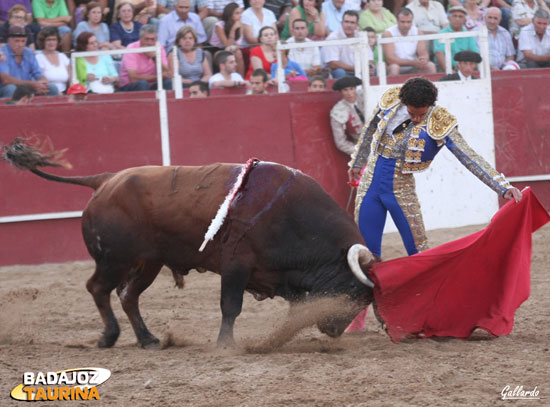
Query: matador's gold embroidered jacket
point(419, 145)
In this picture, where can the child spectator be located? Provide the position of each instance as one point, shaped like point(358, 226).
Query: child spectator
point(317, 83)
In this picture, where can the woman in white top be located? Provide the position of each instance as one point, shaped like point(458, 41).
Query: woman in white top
point(255, 18)
point(54, 64)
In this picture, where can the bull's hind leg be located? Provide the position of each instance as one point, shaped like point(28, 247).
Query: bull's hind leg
point(140, 277)
point(100, 285)
point(234, 282)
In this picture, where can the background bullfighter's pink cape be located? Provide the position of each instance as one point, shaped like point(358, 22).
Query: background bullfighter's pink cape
point(475, 282)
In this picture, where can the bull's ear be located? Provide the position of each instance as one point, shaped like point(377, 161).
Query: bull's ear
point(366, 261)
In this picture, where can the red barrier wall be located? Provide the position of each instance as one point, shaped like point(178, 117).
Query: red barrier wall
point(109, 133)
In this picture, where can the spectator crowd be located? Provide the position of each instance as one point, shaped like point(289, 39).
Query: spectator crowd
point(232, 43)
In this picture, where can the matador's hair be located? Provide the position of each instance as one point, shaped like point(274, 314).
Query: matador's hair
point(418, 92)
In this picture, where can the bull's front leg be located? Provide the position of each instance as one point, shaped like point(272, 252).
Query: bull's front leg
point(234, 281)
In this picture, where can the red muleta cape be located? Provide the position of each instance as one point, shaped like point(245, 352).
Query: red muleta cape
point(475, 282)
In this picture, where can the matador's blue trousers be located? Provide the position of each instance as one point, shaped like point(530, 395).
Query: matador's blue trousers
point(393, 192)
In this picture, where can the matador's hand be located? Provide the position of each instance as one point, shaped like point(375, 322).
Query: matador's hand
point(354, 174)
point(513, 193)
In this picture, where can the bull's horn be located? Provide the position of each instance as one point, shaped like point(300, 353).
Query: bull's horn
point(354, 252)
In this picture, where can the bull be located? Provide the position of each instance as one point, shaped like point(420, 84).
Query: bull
point(283, 235)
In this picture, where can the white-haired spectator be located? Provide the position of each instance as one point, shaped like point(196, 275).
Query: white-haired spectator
point(125, 30)
point(139, 71)
point(171, 23)
point(523, 12)
point(501, 47)
point(534, 42)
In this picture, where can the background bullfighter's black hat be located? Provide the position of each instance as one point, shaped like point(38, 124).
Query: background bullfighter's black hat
point(468, 56)
point(346, 82)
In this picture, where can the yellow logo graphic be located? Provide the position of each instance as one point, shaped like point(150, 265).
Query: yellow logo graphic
point(70, 384)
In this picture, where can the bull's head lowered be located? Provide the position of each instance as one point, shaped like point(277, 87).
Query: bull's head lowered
point(359, 291)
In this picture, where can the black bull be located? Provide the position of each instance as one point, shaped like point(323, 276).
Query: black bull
point(283, 235)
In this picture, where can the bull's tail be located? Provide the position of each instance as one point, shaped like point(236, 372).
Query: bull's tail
point(29, 154)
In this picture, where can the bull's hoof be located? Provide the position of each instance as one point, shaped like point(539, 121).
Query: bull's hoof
point(225, 343)
point(150, 343)
point(106, 341)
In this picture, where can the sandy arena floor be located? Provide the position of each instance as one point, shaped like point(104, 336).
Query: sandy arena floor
point(49, 322)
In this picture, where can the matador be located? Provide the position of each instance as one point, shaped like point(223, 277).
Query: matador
point(402, 138)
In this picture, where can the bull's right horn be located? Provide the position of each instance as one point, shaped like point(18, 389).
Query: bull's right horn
point(354, 253)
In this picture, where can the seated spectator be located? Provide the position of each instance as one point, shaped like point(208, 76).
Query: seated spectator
point(317, 83)
point(429, 15)
point(125, 30)
point(308, 58)
point(501, 48)
point(139, 71)
point(199, 89)
point(475, 14)
point(77, 93)
point(228, 34)
point(258, 82)
point(373, 44)
point(227, 77)
point(23, 95)
point(18, 16)
point(457, 17)
point(347, 117)
point(315, 18)
point(54, 12)
point(215, 13)
point(406, 57)
point(292, 70)
point(20, 66)
point(505, 7)
point(172, 22)
point(466, 65)
point(334, 11)
point(523, 12)
point(534, 42)
point(265, 54)
point(7, 5)
point(193, 66)
point(92, 23)
point(97, 73)
point(79, 12)
point(377, 17)
point(281, 9)
point(341, 59)
point(54, 64)
point(254, 19)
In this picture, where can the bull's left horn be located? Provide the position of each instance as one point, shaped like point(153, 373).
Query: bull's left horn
point(354, 252)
